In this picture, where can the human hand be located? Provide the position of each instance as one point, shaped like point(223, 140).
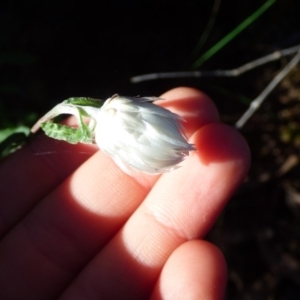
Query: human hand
point(74, 226)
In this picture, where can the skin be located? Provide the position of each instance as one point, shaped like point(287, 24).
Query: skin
point(74, 226)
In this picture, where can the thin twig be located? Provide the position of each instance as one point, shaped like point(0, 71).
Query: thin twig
point(255, 104)
point(218, 73)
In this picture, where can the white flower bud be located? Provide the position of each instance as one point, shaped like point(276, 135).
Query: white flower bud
point(137, 133)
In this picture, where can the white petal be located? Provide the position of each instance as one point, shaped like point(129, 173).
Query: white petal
point(140, 134)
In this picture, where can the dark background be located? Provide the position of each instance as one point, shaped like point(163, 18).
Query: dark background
point(57, 49)
point(53, 50)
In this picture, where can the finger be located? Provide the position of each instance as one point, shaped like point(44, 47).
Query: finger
point(44, 163)
point(70, 225)
point(32, 172)
point(195, 270)
point(195, 107)
point(181, 206)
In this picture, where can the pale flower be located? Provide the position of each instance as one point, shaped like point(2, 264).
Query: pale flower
point(139, 134)
point(136, 133)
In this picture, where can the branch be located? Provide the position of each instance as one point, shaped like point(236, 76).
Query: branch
point(218, 73)
point(256, 103)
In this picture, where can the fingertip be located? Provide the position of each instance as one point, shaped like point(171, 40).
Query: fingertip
point(194, 106)
point(183, 91)
point(195, 270)
point(219, 142)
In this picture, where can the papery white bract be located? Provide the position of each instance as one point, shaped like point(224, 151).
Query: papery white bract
point(137, 133)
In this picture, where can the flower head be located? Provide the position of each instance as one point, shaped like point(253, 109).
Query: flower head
point(137, 133)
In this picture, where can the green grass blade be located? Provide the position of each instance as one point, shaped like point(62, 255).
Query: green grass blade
point(231, 35)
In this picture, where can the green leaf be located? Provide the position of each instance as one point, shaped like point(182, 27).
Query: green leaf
point(86, 132)
point(84, 101)
point(79, 107)
point(12, 142)
point(5, 133)
point(66, 133)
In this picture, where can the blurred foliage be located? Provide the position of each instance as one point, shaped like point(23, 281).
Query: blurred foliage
point(13, 139)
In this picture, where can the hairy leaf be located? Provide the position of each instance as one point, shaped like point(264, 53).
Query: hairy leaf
point(84, 101)
point(66, 133)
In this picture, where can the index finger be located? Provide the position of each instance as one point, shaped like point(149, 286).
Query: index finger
point(32, 172)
